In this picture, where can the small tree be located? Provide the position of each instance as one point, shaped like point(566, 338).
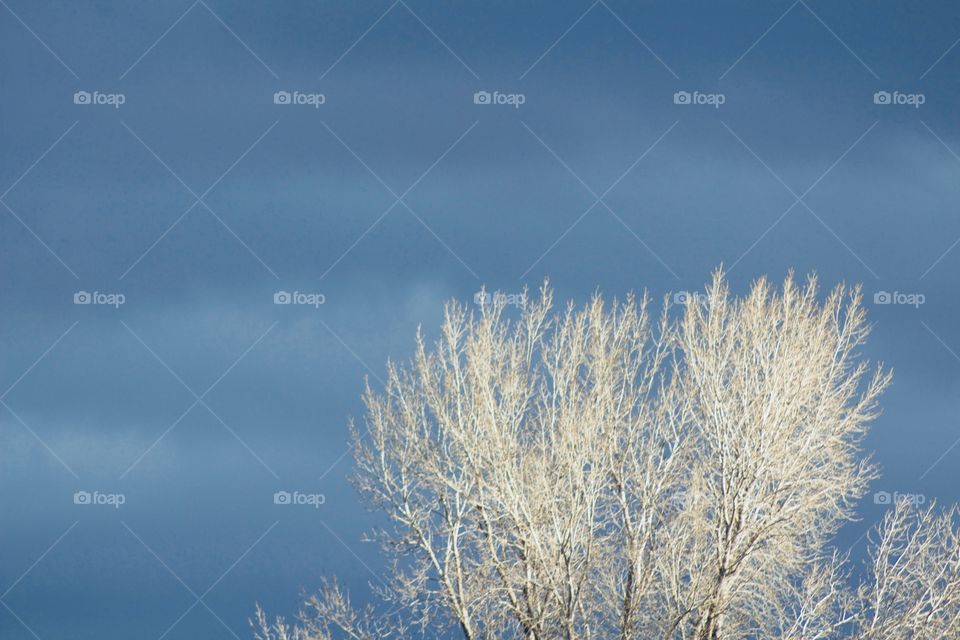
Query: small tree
point(595, 473)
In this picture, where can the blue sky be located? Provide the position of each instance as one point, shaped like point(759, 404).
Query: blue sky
point(198, 198)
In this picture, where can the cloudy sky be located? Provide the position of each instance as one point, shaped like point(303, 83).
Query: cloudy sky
point(166, 168)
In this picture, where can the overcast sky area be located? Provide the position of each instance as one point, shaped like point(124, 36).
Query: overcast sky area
point(157, 192)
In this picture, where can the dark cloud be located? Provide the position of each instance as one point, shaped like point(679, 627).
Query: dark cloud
point(394, 195)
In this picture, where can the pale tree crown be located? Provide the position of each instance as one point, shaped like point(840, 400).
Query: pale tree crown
point(596, 472)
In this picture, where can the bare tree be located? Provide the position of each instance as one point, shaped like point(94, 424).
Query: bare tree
point(598, 473)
